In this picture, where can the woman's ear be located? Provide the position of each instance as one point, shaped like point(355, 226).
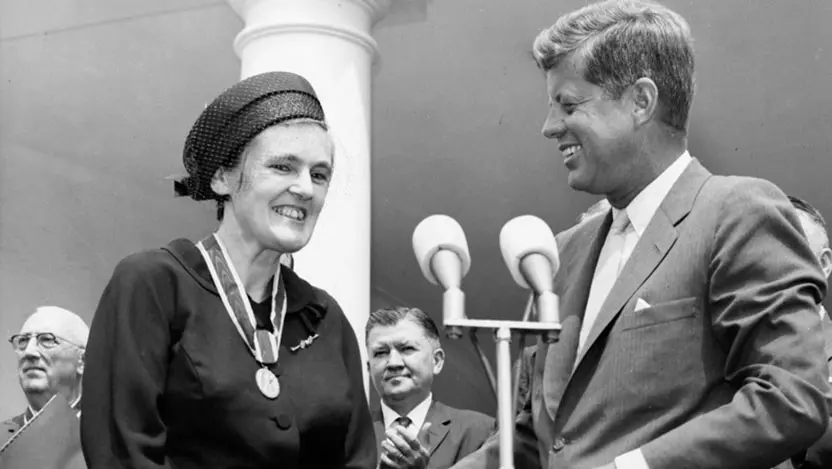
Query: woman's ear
point(221, 183)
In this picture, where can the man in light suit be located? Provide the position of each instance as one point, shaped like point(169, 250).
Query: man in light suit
point(414, 430)
point(525, 363)
point(690, 337)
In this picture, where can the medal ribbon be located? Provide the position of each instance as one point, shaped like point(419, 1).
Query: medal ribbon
point(264, 345)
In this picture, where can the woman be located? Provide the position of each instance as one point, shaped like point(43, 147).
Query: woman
point(212, 355)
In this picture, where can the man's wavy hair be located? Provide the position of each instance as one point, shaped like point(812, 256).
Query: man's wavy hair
point(620, 41)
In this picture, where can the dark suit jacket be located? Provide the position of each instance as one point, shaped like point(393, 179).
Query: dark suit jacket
point(523, 373)
point(454, 433)
point(721, 370)
point(12, 425)
point(15, 423)
point(819, 455)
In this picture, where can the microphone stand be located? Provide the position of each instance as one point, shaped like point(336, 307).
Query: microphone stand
point(502, 337)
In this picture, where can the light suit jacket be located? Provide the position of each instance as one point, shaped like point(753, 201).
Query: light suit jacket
point(723, 369)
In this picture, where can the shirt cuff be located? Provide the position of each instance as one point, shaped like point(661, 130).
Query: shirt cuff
point(632, 460)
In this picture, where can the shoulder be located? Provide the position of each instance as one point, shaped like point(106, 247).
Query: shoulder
point(467, 418)
point(568, 234)
point(146, 262)
point(742, 191)
point(737, 207)
point(161, 266)
point(12, 425)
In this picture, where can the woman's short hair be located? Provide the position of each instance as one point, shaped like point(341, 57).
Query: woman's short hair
point(619, 41)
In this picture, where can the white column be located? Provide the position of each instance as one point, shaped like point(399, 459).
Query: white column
point(329, 43)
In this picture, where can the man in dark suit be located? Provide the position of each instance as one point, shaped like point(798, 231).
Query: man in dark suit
point(690, 336)
point(50, 355)
point(814, 227)
point(413, 429)
point(819, 455)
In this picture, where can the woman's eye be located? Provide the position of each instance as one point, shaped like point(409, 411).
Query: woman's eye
point(284, 168)
point(321, 176)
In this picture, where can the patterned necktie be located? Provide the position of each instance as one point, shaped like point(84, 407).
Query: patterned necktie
point(403, 421)
point(610, 262)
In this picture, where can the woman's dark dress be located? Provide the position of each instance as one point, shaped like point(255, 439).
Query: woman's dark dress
point(169, 383)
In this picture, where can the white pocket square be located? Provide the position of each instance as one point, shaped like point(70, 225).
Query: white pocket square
point(641, 304)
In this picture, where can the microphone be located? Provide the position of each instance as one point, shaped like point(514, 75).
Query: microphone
point(531, 255)
point(442, 252)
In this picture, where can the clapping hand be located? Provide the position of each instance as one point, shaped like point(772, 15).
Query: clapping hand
point(403, 449)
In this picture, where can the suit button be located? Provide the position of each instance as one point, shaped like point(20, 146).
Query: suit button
point(558, 444)
point(284, 422)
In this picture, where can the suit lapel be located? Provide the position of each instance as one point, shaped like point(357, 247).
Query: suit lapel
point(654, 244)
point(572, 284)
point(440, 423)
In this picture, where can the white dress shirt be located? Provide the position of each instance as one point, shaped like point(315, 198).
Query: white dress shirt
point(640, 211)
point(417, 415)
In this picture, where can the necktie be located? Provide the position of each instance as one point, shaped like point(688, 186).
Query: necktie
point(403, 421)
point(610, 262)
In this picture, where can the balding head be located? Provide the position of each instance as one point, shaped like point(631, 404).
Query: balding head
point(59, 321)
point(814, 227)
point(50, 352)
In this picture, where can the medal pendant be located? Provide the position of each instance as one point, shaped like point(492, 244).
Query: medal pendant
point(268, 383)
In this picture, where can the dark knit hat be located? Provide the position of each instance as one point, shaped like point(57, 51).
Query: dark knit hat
point(234, 118)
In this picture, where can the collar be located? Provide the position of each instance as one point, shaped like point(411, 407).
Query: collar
point(30, 412)
point(299, 293)
point(644, 205)
point(417, 415)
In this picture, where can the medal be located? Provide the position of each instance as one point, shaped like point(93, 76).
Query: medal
point(262, 344)
point(267, 382)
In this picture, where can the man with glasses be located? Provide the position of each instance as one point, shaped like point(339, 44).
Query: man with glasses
point(50, 356)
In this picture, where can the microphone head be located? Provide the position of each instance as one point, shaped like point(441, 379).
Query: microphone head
point(439, 232)
point(525, 235)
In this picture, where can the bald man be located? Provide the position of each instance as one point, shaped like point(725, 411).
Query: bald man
point(818, 455)
point(50, 357)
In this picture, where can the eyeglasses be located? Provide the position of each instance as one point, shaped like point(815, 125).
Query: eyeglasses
point(45, 340)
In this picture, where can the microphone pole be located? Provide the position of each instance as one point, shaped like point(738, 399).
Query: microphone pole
point(442, 253)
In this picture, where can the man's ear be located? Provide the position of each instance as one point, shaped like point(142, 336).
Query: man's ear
point(80, 365)
point(644, 96)
point(826, 261)
point(438, 360)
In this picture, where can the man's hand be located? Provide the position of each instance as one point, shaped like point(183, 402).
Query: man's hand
point(403, 449)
